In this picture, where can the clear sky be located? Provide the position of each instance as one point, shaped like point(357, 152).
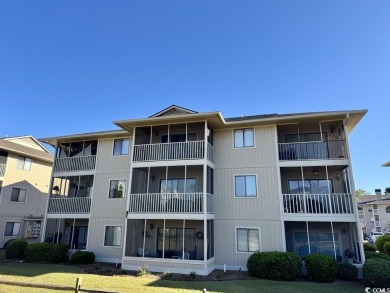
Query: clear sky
point(75, 66)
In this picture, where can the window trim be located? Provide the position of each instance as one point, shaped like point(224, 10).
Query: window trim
point(24, 163)
point(244, 147)
point(20, 231)
point(236, 239)
point(234, 186)
point(25, 200)
point(113, 147)
point(109, 188)
point(104, 236)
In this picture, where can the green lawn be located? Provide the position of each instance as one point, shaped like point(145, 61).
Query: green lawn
point(66, 275)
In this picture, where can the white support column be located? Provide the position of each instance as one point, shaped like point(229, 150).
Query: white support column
point(58, 229)
point(151, 134)
point(205, 194)
point(322, 139)
point(329, 195)
point(143, 246)
point(308, 236)
point(184, 229)
point(72, 238)
point(163, 250)
point(334, 244)
point(169, 128)
point(147, 184)
point(186, 131)
point(304, 192)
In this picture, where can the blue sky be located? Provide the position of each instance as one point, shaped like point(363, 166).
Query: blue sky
point(74, 66)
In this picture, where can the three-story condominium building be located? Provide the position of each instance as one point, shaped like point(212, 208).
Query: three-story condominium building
point(25, 168)
point(186, 191)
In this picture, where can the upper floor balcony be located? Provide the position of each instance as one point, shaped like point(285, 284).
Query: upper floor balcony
point(187, 141)
point(312, 141)
point(71, 195)
point(75, 156)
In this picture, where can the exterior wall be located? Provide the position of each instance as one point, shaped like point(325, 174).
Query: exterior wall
point(105, 211)
point(384, 217)
point(261, 212)
point(28, 142)
point(36, 181)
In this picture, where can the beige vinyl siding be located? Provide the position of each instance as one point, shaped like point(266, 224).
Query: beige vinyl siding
point(97, 226)
point(106, 162)
point(225, 239)
point(36, 181)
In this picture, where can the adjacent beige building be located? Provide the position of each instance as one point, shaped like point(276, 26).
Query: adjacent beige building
point(183, 191)
point(25, 169)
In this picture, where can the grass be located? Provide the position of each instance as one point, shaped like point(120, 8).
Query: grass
point(66, 275)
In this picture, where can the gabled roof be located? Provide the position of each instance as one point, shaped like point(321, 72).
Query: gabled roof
point(372, 199)
point(22, 141)
point(25, 151)
point(173, 110)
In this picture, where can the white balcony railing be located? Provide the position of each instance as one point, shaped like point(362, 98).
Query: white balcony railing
point(377, 223)
point(2, 170)
point(375, 212)
point(323, 150)
point(189, 150)
point(82, 163)
point(170, 203)
point(71, 205)
point(334, 203)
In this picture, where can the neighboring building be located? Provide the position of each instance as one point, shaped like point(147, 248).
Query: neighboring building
point(25, 169)
point(186, 191)
point(374, 212)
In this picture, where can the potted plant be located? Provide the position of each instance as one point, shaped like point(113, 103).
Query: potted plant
point(350, 254)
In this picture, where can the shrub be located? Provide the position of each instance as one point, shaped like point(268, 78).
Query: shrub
point(82, 258)
point(166, 275)
point(274, 265)
point(8, 242)
point(386, 247)
point(46, 253)
point(192, 276)
point(368, 247)
point(380, 242)
point(143, 271)
point(376, 273)
point(347, 271)
point(371, 254)
point(321, 268)
point(15, 249)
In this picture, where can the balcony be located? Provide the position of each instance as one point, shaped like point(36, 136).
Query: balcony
point(73, 205)
point(187, 203)
point(375, 212)
point(326, 150)
point(334, 203)
point(80, 163)
point(2, 170)
point(190, 150)
point(377, 224)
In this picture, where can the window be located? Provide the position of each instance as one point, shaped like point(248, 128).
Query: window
point(248, 240)
point(176, 185)
point(12, 229)
point(24, 163)
point(18, 194)
point(245, 186)
point(311, 186)
point(388, 209)
point(117, 189)
point(121, 147)
point(113, 236)
point(243, 138)
point(320, 242)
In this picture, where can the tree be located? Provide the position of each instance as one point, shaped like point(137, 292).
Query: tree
point(360, 193)
point(387, 190)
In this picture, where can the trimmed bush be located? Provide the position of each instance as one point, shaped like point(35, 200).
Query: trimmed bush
point(347, 271)
point(371, 254)
point(273, 265)
point(15, 249)
point(376, 273)
point(46, 253)
point(8, 242)
point(386, 247)
point(380, 242)
point(82, 258)
point(368, 247)
point(321, 268)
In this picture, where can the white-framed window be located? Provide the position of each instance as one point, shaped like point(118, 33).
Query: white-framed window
point(245, 186)
point(12, 228)
point(121, 147)
point(244, 138)
point(18, 194)
point(113, 236)
point(248, 239)
point(117, 189)
point(24, 163)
